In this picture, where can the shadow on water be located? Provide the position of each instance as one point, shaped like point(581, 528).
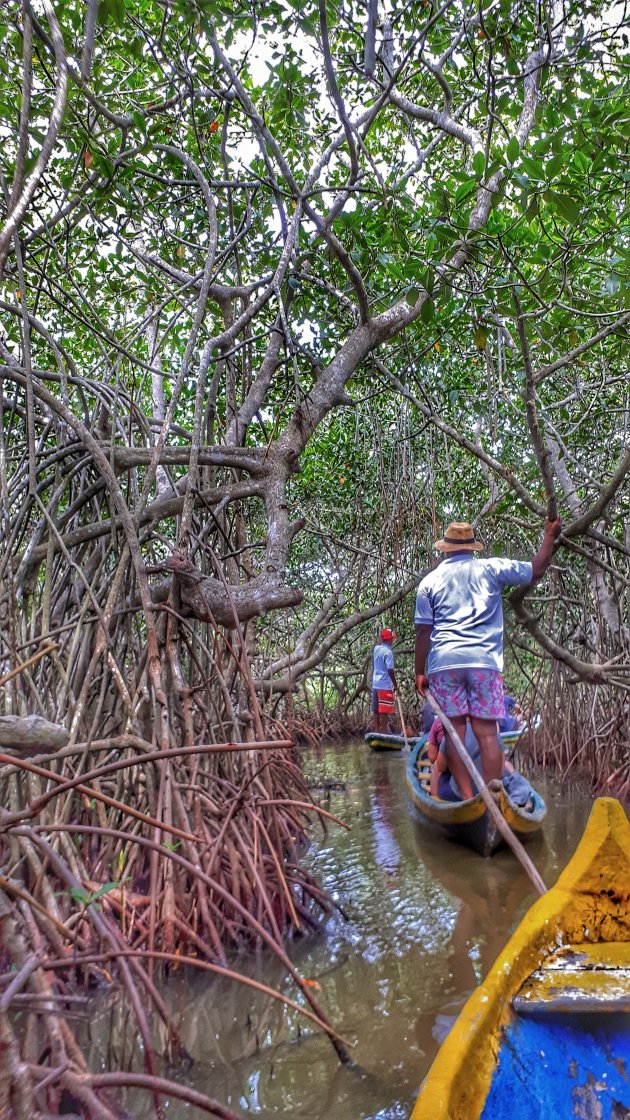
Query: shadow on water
point(425, 920)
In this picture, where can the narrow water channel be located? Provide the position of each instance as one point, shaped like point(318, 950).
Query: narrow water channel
point(424, 921)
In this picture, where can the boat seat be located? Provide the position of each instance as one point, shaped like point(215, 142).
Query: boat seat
point(582, 979)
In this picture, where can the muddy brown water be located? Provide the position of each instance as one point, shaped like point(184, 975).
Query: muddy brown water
point(425, 920)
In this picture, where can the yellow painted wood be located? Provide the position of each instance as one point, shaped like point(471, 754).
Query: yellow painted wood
point(520, 823)
point(599, 955)
point(459, 812)
point(384, 742)
point(590, 904)
point(578, 982)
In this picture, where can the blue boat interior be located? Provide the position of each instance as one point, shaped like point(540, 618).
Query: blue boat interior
point(559, 1067)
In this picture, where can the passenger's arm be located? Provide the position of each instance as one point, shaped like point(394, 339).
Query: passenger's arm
point(432, 746)
point(439, 767)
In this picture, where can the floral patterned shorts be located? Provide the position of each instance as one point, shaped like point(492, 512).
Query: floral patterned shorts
point(469, 692)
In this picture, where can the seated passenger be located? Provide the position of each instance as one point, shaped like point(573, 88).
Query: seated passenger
point(513, 717)
point(436, 738)
point(444, 786)
point(440, 783)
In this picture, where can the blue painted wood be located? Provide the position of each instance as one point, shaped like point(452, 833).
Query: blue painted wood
point(562, 1067)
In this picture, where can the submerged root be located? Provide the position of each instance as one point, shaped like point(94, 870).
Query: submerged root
point(134, 860)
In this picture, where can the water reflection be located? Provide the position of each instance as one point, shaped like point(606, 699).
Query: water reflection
point(425, 921)
point(386, 850)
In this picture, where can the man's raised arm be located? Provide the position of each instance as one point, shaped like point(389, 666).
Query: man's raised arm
point(542, 559)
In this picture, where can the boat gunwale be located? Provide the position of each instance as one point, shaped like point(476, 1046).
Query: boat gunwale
point(458, 1083)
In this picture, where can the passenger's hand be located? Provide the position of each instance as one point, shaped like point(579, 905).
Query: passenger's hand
point(422, 683)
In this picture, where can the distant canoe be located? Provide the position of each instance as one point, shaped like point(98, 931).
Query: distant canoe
point(547, 1033)
point(468, 822)
point(383, 741)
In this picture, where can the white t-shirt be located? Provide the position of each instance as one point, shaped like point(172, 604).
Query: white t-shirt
point(383, 659)
point(461, 600)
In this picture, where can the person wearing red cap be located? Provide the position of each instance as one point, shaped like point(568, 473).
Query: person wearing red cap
point(383, 680)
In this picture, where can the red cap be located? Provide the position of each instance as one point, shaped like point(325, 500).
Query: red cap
point(388, 635)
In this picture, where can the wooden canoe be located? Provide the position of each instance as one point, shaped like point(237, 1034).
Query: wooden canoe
point(547, 1034)
point(383, 741)
point(468, 822)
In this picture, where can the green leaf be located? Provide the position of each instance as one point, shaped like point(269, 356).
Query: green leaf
point(431, 244)
point(103, 164)
point(567, 206)
point(428, 311)
point(479, 164)
point(105, 889)
point(513, 150)
point(465, 190)
point(534, 167)
point(480, 338)
point(139, 121)
point(553, 166)
point(119, 12)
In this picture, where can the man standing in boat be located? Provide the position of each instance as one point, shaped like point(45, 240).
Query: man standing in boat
point(383, 680)
point(459, 628)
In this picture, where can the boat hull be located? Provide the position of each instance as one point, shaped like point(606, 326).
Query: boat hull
point(383, 741)
point(468, 822)
point(533, 1041)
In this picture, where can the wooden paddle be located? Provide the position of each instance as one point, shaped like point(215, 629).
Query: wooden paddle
point(487, 797)
point(402, 721)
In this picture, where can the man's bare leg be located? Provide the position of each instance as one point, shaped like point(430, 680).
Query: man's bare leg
point(375, 722)
point(455, 764)
point(492, 756)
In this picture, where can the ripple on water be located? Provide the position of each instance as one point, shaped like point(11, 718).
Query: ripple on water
point(425, 921)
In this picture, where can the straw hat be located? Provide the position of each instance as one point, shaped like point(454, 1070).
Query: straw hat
point(459, 537)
